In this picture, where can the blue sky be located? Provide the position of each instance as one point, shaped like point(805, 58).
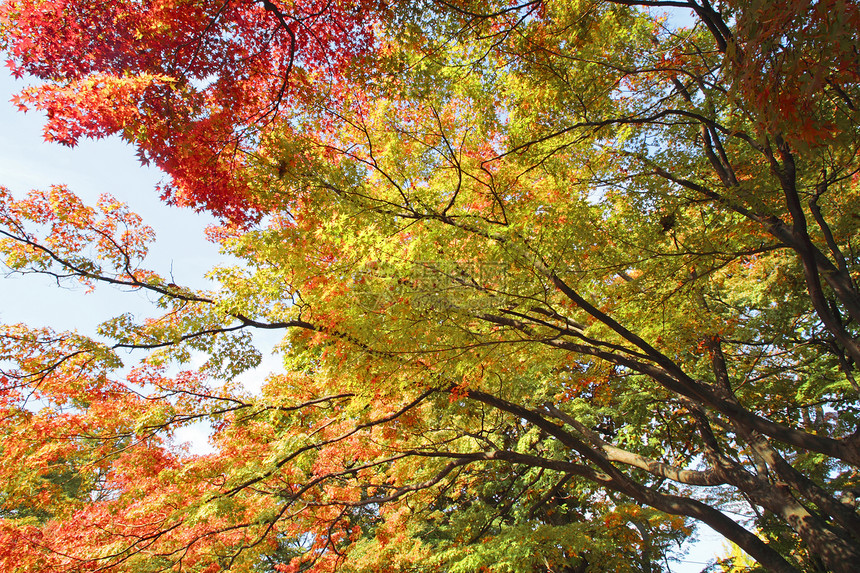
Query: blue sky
point(90, 169)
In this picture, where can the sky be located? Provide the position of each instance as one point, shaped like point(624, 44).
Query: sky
point(180, 250)
point(89, 170)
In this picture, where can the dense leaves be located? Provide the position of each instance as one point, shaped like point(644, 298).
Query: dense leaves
point(192, 84)
point(557, 280)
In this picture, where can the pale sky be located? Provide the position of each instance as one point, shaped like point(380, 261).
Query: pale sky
point(90, 169)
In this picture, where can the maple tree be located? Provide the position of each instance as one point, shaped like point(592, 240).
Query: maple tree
point(558, 279)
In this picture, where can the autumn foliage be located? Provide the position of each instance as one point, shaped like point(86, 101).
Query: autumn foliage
point(192, 84)
point(557, 282)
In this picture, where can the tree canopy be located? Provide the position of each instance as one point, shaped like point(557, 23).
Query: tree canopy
point(558, 280)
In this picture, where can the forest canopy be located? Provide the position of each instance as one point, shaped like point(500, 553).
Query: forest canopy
point(557, 281)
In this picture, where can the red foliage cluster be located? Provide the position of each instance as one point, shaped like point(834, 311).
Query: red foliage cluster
point(193, 84)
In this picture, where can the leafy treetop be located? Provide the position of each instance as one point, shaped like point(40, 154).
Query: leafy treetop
point(556, 278)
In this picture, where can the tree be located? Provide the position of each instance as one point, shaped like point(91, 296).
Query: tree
point(556, 278)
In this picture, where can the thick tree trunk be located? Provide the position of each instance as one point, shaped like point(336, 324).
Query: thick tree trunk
point(839, 555)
